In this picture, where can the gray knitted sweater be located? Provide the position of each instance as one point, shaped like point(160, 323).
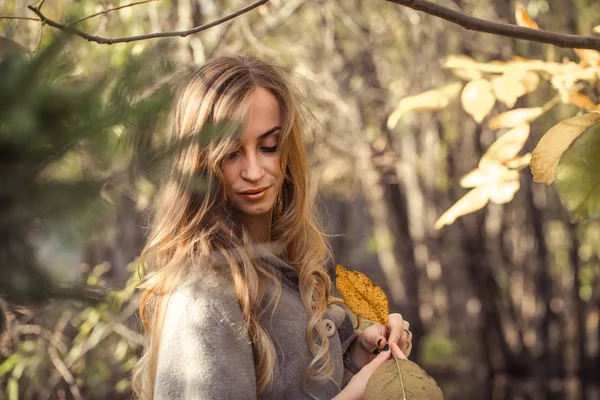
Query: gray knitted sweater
point(206, 354)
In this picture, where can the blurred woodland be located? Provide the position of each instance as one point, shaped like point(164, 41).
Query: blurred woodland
point(503, 302)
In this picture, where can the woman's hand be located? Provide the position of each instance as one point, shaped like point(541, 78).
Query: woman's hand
point(355, 389)
point(377, 336)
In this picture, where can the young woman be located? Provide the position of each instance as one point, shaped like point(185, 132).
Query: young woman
point(238, 278)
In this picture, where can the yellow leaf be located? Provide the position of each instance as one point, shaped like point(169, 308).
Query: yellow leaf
point(506, 187)
point(435, 99)
point(530, 81)
point(513, 118)
point(523, 18)
point(507, 90)
point(458, 61)
point(362, 297)
point(475, 200)
point(578, 99)
point(477, 99)
point(506, 147)
point(474, 178)
point(466, 67)
point(467, 74)
point(519, 162)
point(588, 56)
point(514, 84)
point(555, 142)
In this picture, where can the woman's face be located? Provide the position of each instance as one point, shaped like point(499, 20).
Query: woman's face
point(253, 174)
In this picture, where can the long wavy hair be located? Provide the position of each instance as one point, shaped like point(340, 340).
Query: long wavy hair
point(191, 226)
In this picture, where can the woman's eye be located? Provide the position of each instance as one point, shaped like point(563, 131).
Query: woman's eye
point(232, 155)
point(272, 149)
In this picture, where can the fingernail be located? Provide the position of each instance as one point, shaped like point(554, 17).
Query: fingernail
point(376, 351)
point(379, 342)
point(387, 347)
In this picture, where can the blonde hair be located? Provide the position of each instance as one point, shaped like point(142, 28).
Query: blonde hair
point(189, 228)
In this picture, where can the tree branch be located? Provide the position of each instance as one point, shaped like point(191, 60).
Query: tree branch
point(102, 40)
point(109, 10)
point(13, 17)
point(497, 28)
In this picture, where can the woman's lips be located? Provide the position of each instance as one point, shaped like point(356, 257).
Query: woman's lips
point(253, 195)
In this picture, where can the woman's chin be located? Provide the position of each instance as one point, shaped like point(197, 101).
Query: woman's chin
point(256, 210)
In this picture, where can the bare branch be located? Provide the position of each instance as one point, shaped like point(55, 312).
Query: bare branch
point(64, 371)
point(13, 17)
point(128, 39)
point(497, 28)
point(109, 10)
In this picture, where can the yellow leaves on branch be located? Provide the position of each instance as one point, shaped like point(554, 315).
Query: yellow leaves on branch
point(496, 178)
point(514, 84)
point(587, 56)
point(479, 94)
point(362, 296)
point(430, 100)
point(555, 142)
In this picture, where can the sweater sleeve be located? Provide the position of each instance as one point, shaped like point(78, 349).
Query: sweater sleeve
point(204, 351)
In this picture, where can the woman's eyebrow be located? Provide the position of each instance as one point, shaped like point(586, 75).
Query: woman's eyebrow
point(270, 131)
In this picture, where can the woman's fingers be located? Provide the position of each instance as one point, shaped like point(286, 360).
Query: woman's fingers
point(395, 327)
point(374, 338)
point(376, 362)
point(397, 352)
point(400, 333)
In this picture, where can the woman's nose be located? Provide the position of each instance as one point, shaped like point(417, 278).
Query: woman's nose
point(252, 170)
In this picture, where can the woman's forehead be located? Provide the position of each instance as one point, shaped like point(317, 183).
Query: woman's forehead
point(263, 116)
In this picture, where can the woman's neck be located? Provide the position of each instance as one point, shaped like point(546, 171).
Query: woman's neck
point(259, 227)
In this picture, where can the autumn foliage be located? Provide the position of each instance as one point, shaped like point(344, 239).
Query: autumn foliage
point(496, 178)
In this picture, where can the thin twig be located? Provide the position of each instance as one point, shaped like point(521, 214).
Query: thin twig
point(109, 10)
point(128, 39)
point(13, 17)
point(502, 29)
point(64, 372)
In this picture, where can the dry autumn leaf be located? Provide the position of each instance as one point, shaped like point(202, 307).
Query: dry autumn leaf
point(579, 100)
point(362, 297)
point(506, 147)
point(436, 99)
point(467, 72)
point(513, 118)
point(514, 84)
point(458, 61)
point(475, 178)
point(519, 163)
point(588, 56)
point(555, 142)
point(523, 18)
point(478, 99)
point(474, 200)
point(506, 187)
point(401, 379)
point(530, 81)
point(507, 90)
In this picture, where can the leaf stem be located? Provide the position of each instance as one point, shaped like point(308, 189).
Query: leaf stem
point(551, 103)
point(400, 375)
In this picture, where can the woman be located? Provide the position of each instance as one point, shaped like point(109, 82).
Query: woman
point(238, 276)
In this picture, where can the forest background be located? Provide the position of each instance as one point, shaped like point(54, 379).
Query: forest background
point(501, 302)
